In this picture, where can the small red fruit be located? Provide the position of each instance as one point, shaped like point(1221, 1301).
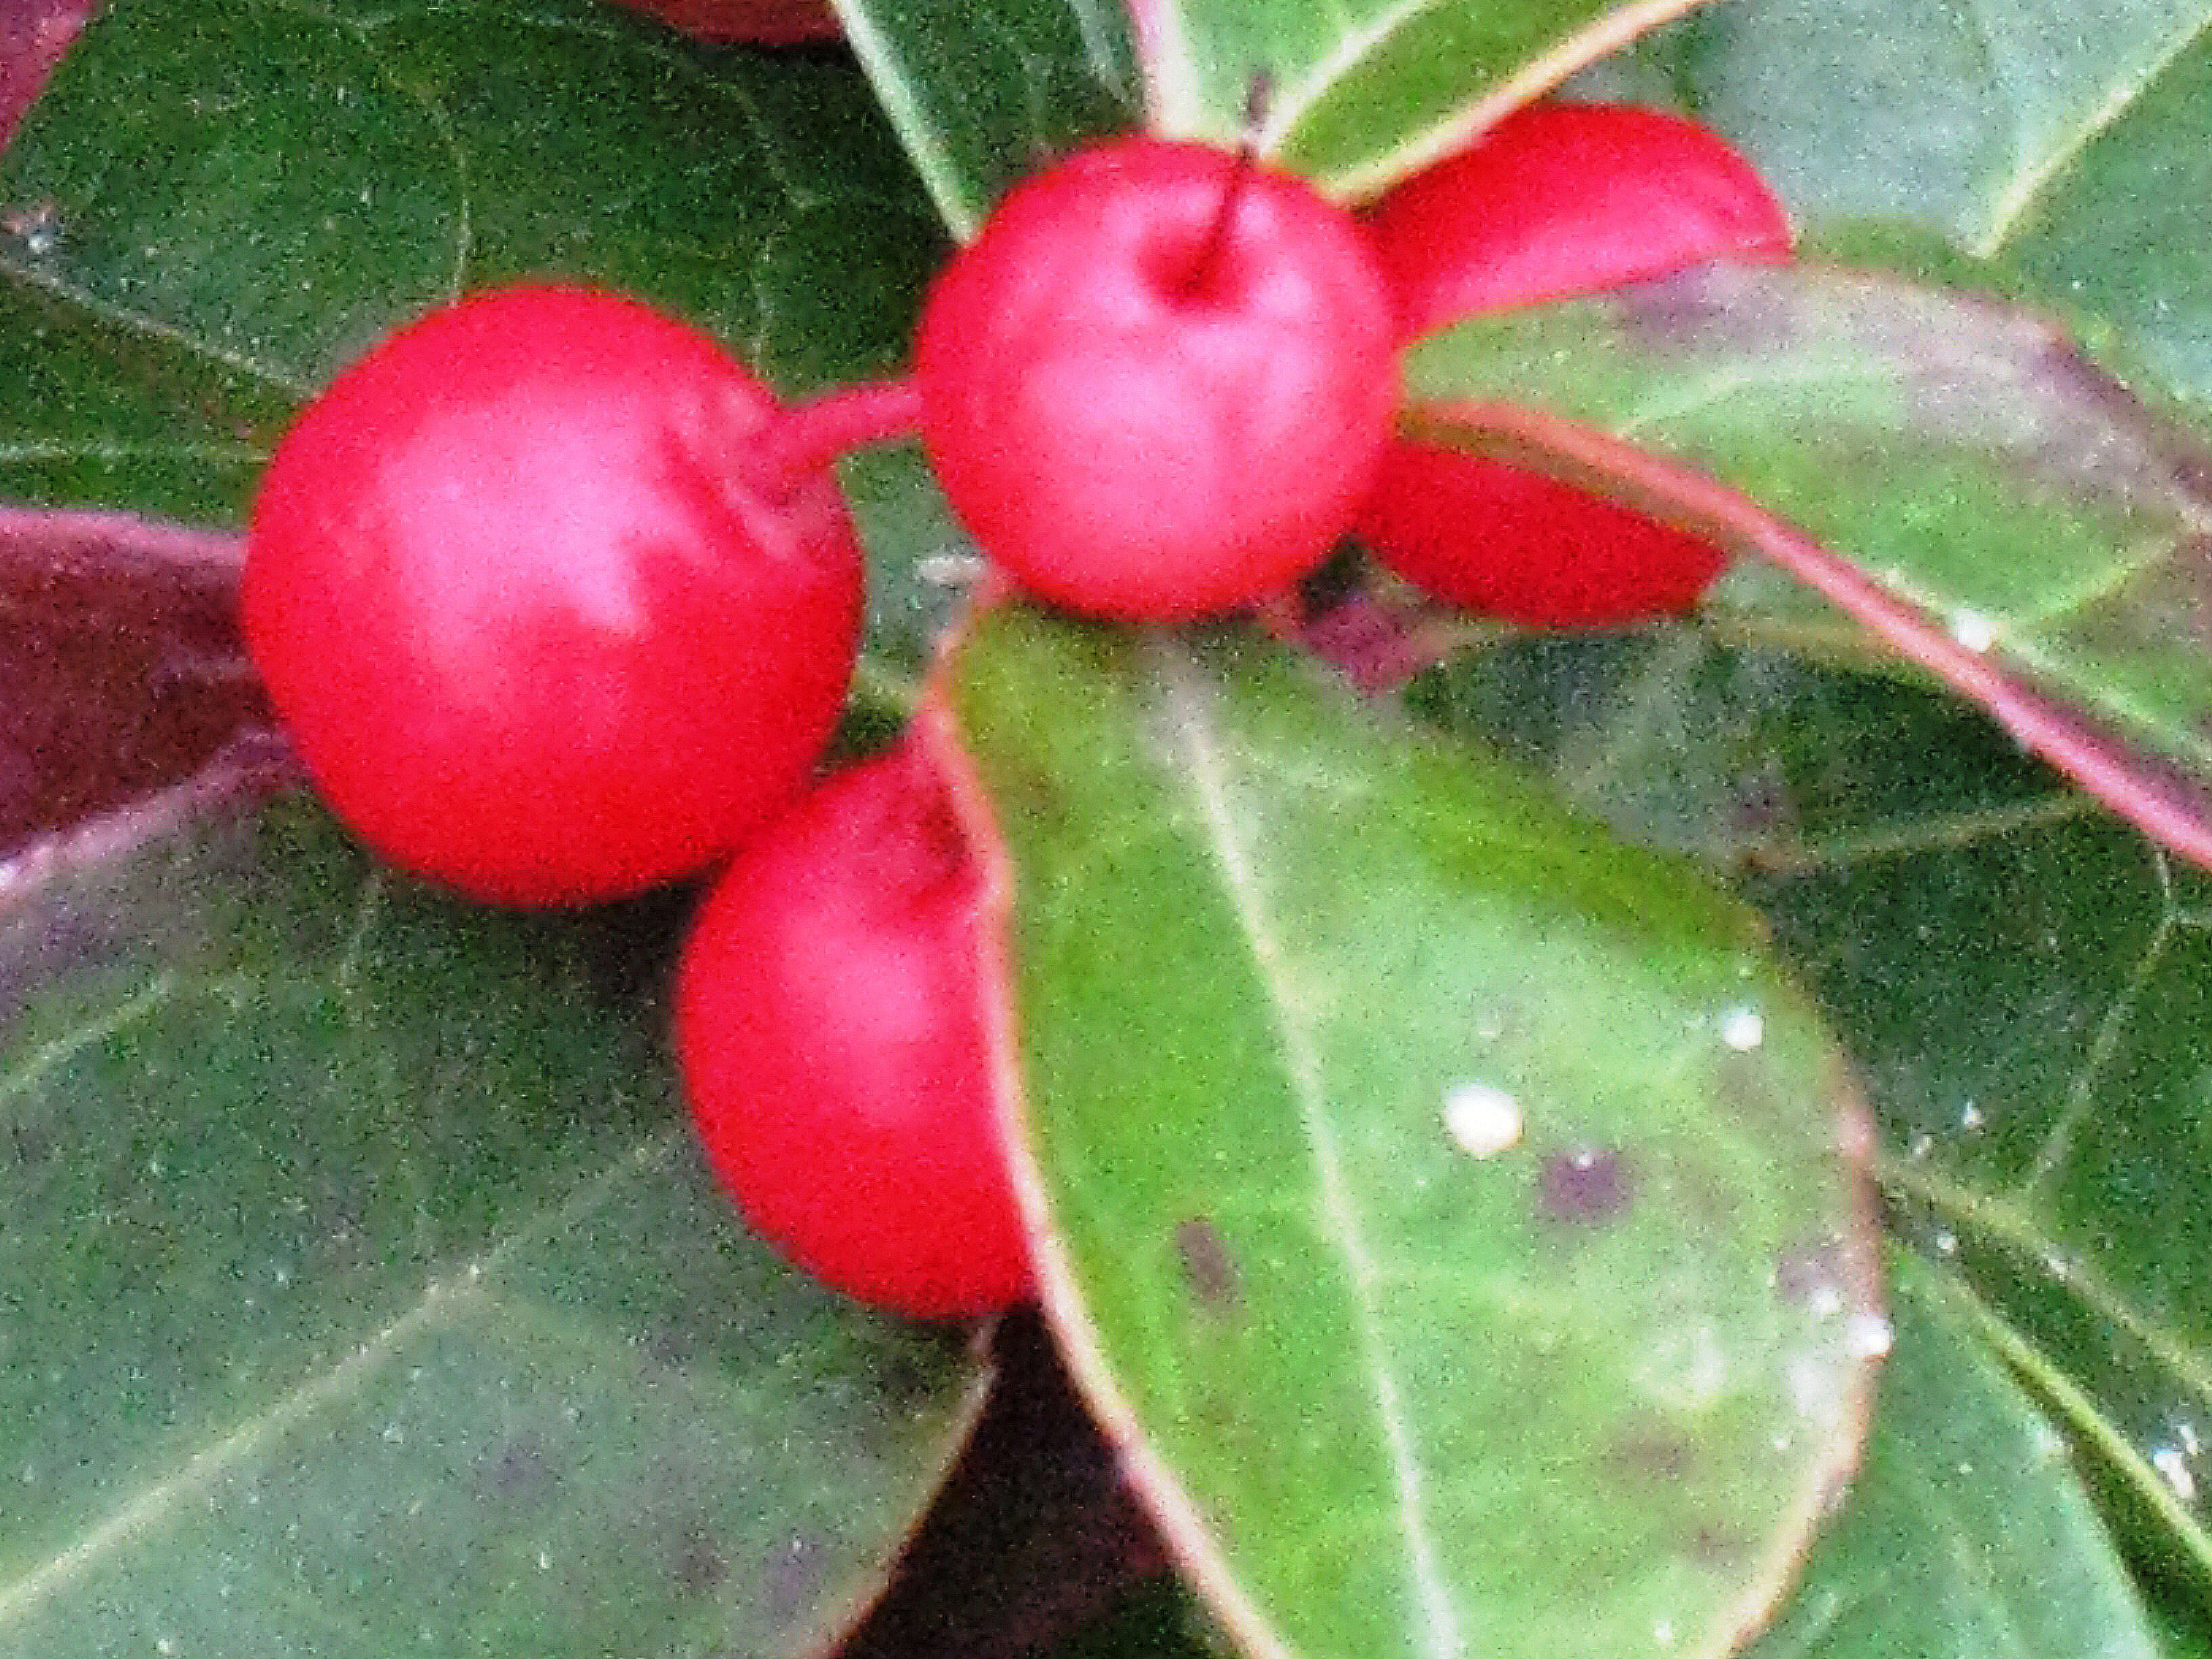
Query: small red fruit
point(830, 1030)
point(544, 623)
point(1158, 383)
point(757, 23)
point(1556, 200)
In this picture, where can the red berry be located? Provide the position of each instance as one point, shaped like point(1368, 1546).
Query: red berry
point(1556, 200)
point(536, 629)
point(1159, 381)
point(829, 1025)
point(758, 23)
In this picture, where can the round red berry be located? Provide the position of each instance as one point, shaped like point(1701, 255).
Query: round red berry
point(830, 1031)
point(1556, 200)
point(1159, 382)
point(535, 626)
point(757, 23)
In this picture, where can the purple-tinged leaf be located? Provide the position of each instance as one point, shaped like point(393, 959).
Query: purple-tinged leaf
point(121, 670)
point(1952, 474)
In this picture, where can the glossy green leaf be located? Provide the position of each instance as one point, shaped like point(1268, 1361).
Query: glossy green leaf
point(982, 94)
point(362, 1292)
point(922, 567)
point(2022, 979)
point(268, 189)
point(1360, 94)
point(1952, 473)
point(1452, 1216)
point(100, 412)
point(1967, 1535)
point(213, 207)
point(2071, 150)
point(2051, 1146)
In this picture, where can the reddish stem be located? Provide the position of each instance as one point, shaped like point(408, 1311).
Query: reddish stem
point(1207, 261)
point(807, 438)
point(1216, 244)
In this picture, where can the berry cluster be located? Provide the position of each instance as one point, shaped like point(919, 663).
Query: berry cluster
point(1556, 201)
point(560, 604)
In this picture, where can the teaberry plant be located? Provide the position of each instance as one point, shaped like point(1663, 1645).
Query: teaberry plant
point(1483, 733)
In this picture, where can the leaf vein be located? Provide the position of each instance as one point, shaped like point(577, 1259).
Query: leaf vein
point(2012, 206)
point(199, 1474)
point(1439, 1632)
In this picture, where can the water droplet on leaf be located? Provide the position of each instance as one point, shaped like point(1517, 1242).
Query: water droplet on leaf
point(1869, 1336)
point(2173, 1463)
point(1743, 1028)
point(1973, 630)
point(1482, 1118)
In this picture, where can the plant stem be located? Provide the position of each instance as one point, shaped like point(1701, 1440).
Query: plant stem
point(809, 437)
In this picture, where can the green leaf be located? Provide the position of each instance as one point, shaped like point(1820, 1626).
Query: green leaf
point(1966, 1535)
point(2072, 158)
point(268, 188)
point(102, 412)
point(921, 566)
point(1357, 97)
point(1361, 95)
point(1950, 472)
point(2022, 979)
point(2051, 1144)
point(1451, 1215)
point(363, 1292)
point(982, 94)
point(215, 206)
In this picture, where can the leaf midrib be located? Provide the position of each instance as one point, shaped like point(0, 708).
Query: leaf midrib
point(1436, 1632)
point(2013, 204)
point(469, 1285)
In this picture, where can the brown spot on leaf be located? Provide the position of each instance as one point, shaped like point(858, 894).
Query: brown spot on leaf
point(521, 1471)
point(1652, 1456)
point(1721, 1546)
point(1590, 1187)
point(32, 1142)
point(1763, 804)
point(794, 1572)
point(698, 1565)
point(1208, 1267)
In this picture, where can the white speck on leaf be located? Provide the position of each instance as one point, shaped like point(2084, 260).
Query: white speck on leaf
point(1482, 1118)
point(1743, 1028)
point(1973, 630)
point(2172, 1462)
point(1869, 1336)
